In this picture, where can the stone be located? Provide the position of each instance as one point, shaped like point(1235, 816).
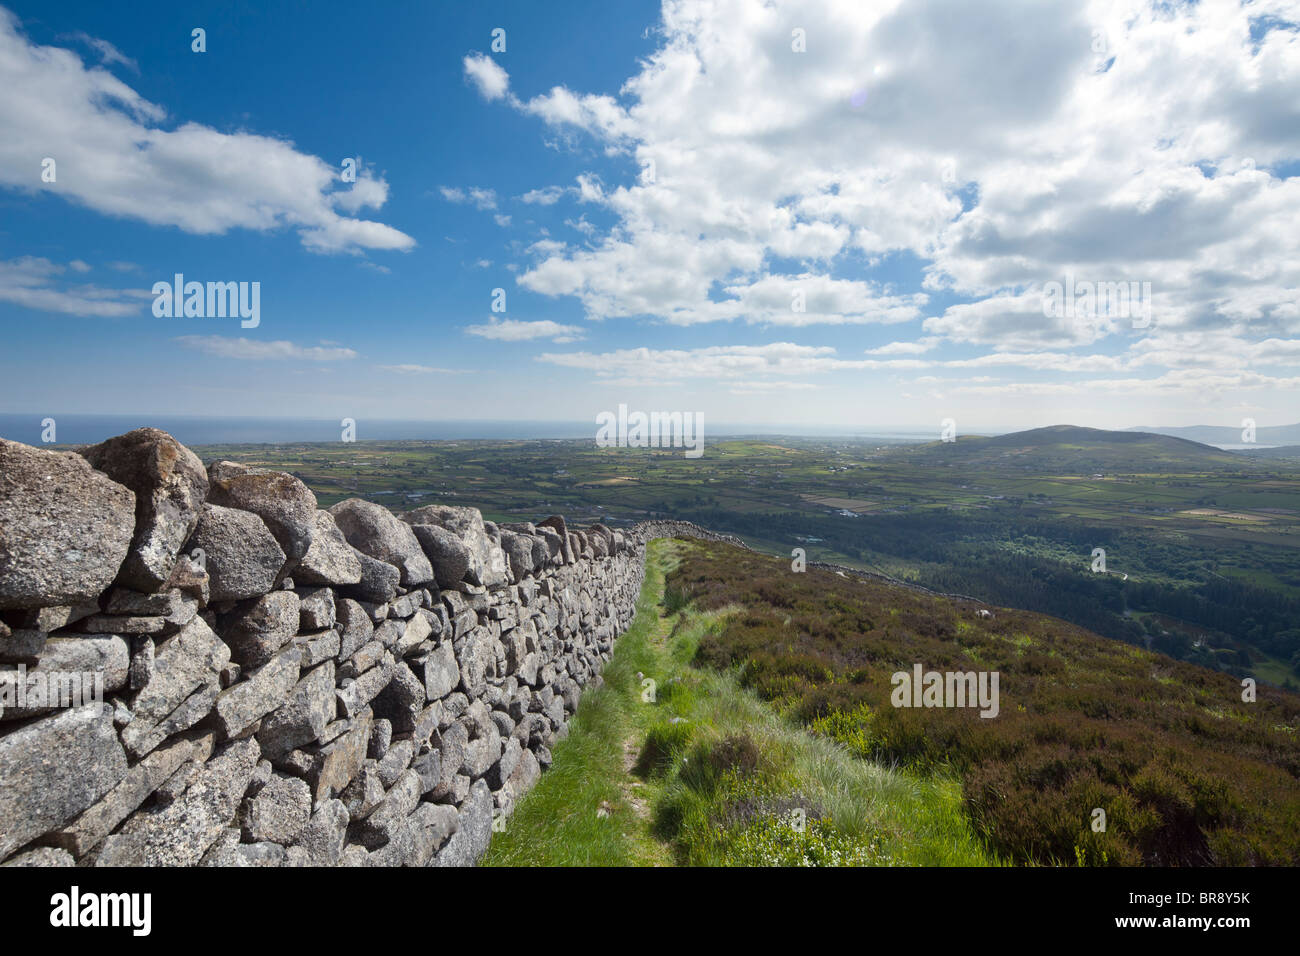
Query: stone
point(180, 690)
point(259, 627)
point(44, 856)
point(318, 647)
point(180, 833)
point(525, 775)
point(258, 694)
point(325, 833)
point(473, 832)
point(356, 696)
point(379, 827)
point(337, 763)
point(416, 632)
point(316, 610)
point(434, 824)
point(556, 523)
point(49, 618)
point(429, 766)
point(247, 854)
point(71, 671)
point(401, 700)
point(407, 604)
point(488, 567)
point(568, 688)
point(170, 488)
point(354, 626)
point(484, 746)
point(441, 672)
point(378, 584)
point(450, 744)
point(476, 656)
point(381, 738)
point(519, 552)
point(448, 554)
point(53, 769)
point(364, 793)
point(22, 646)
point(169, 603)
point(376, 531)
point(64, 527)
point(240, 554)
point(284, 503)
point(279, 811)
point(390, 632)
point(183, 608)
point(304, 716)
point(395, 762)
point(499, 773)
point(554, 545)
point(329, 560)
point(174, 787)
point(190, 578)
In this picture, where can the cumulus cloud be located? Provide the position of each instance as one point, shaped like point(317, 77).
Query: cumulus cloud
point(487, 76)
point(258, 350)
point(999, 146)
point(517, 330)
point(117, 154)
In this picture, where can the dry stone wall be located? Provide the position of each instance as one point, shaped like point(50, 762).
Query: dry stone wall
point(199, 666)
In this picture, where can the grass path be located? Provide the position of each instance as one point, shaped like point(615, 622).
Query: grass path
point(668, 764)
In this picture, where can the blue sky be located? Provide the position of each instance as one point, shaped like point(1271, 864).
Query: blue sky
point(654, 188)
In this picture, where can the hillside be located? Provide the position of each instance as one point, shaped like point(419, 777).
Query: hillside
point(1185, 770)
point(1076, 448)
point(669, 763)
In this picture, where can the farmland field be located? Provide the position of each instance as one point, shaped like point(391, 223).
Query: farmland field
point(1201, 546)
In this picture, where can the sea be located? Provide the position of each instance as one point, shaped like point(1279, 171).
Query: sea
point(80, 429)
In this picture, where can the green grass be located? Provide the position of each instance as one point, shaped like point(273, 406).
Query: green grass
point(707, 774)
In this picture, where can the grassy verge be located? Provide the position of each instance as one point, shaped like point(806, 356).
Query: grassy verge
point(696, 770)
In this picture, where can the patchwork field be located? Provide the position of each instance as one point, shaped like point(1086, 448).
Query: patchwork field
point(1203, 545)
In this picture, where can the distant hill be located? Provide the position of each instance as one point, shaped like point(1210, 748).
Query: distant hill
point(1081, 449)
point(1281, 451)
point(1227, 434)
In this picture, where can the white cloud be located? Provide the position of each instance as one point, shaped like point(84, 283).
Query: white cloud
point(478, 196)
point(988, 142)
point(918, 347)
point(109, 55)
point(30, 282)
point(727, 364)
point(486, 74)
point(114, 156)
point(259, 350)
point(517, 330)
point(546, 196)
